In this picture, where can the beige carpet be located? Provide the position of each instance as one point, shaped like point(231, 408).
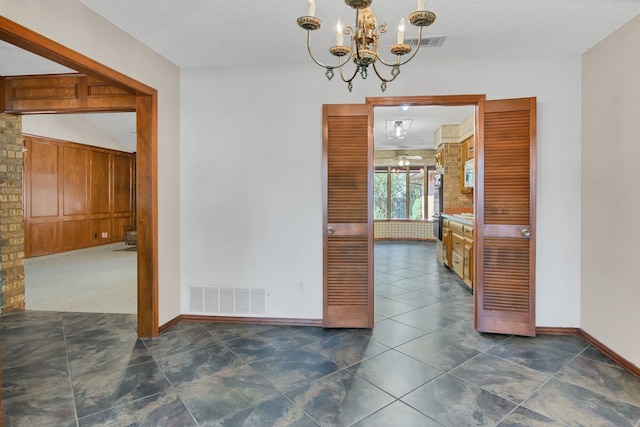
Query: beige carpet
point(94, 280)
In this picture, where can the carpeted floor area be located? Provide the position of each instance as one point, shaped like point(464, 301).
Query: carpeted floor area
point(94, 280)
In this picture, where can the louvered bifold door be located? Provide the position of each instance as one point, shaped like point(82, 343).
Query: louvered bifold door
point(348, 232)
point(505, 211)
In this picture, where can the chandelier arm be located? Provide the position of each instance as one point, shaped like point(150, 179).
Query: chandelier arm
point(355, 73)
point(383, 78)
point(328, 67)
point(398, 63)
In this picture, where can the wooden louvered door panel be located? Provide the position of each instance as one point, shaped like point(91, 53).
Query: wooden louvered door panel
point(505, 213)
point(348, 234)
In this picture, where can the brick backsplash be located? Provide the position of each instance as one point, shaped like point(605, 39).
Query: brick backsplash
point(403, 230)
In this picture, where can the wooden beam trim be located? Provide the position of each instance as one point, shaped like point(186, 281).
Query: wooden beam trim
point(20, 36)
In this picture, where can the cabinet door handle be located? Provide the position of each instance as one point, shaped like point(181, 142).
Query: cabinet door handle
point(525, 232)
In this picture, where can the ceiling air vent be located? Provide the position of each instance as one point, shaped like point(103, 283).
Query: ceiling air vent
point(433, 41)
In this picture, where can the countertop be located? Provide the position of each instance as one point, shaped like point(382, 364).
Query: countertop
point(466, 219)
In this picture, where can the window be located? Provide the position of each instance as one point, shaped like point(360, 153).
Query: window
point(399, 193)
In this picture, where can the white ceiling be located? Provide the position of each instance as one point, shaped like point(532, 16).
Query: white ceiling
point(212, 33)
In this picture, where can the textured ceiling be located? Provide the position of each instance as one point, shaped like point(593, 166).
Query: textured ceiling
point(202, 33)
point(211, 33)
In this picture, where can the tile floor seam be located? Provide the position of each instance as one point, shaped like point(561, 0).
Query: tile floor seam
point(73, 393)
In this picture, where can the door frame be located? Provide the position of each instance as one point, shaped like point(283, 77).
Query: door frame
point(475, 100)
point(146, 109)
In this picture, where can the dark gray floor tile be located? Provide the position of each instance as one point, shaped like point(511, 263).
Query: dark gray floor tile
point(348, 348)
point(80, 322)
point(310, 334)
point(188, 366)
point(21, 319)
point(574, 405)
point(594, 354)
point(30, 333)
point(463, 332)
point(453, 402)
point(390, 308)
point(395, 373)
point(603, 378)
point(262, 345)
point(30, 378)
point(99, 339)
point(163, 409)
point(185, 336)
point(382, 278)
point(523, 417)
point(95, 392)
point(392, 333)
point(225, 394)
point(408, 273)
point(425, 319)
point(411, 284)
point(397, 414)
point(339, 399)
point(506, 379)
point(532, 353)
point(279, 412)
point(294, 368)
point(229, 331)
point(388, 290)
point(415, 298)
point(438, 352)
point(29, 352)
point(108, 356)
point(50, 407)
point(573, 344)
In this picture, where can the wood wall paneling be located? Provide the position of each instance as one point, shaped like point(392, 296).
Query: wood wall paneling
point(77, 195)
point(62, 93)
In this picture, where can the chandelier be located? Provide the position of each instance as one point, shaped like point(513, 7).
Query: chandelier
point(365, 39)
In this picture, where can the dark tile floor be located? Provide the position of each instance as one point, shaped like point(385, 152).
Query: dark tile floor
point(422, 365)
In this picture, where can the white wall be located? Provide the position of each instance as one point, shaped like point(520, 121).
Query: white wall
point(610, 196)
point(251, 212)
point(70, 128)
point(73, 25)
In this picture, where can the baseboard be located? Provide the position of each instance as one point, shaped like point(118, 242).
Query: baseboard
point(635, 370)
point(624, 363)
point(550, 330)
point(241, 320)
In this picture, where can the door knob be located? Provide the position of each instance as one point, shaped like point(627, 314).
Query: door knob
point(525, 232)
point(330, 230)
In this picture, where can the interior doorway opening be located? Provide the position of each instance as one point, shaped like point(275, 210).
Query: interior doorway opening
point(144, 103)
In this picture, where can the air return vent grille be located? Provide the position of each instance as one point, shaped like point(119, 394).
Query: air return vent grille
point(432, 41)
point(236, 301)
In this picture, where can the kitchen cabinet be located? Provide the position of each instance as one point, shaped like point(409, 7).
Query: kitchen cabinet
point(467, 255)
point(446, 243)
point(457, 247)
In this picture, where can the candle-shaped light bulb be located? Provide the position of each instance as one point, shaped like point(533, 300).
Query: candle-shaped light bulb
point(339, 34)
point(401, 31)
point(422, 5)
point(312, 8)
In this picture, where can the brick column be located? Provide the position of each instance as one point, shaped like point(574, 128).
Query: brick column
point(11, 219)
